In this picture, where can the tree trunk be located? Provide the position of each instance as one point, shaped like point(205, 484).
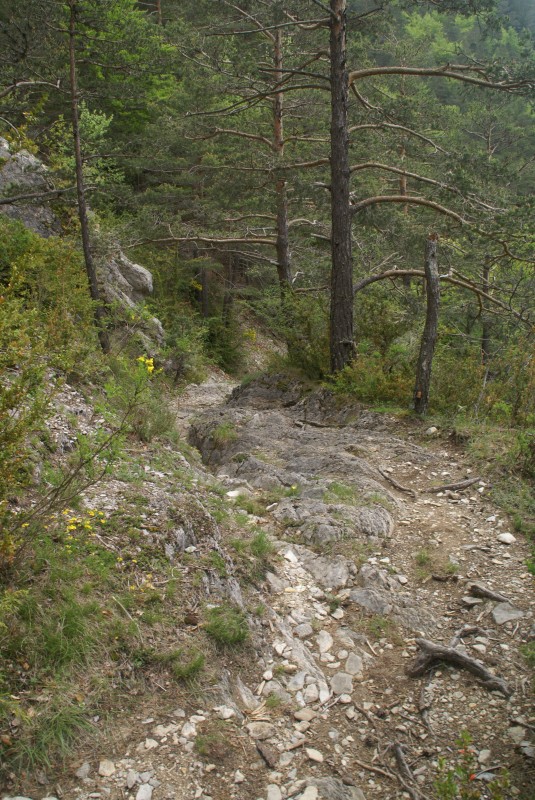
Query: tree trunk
point(485, 321)
point(228, 297)
point(99, 314)
point(205, 293)
point(429, 337)
point(341, 319)
point(283, 244)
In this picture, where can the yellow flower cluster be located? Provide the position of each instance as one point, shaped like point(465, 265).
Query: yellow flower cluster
point(145, 585)
point(148, 363)
point(82, 524)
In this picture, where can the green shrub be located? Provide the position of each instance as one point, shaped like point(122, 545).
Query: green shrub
point(260, 546)
point(184, 664)
point(227, 626)
point(46, 323)
point(224, 434)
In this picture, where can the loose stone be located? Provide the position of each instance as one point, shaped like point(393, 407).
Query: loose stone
point(341, 683)
point(106, 768)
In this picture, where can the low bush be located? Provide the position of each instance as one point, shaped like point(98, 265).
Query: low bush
point(227, 626)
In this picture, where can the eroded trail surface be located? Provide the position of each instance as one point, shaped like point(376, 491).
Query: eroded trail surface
point(332, 699)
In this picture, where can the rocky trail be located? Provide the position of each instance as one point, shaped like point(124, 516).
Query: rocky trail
point(343, 691)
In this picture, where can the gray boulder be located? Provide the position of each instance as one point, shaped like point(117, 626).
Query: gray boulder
point(23, 173)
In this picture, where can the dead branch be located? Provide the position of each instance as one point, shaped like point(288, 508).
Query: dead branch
point(453, 486)
point(406, 778)
point(466, 630)
point(397, 485)
point(403, 198)
point(465, 283)
point(478, 590)
point(231, 132)
point(209, 240)
point(393, 126)
point(433, 653)
point(422, 179)
point(27, 84)
point(456, 72)
point(7, 201)
point(377, 770)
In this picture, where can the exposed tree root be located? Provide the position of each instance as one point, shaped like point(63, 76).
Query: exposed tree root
point(431, 653)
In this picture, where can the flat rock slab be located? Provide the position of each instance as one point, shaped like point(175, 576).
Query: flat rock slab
point(505, 612)
point(342, 683)
point(328, 572)
point(334, 789)
point(371, 600)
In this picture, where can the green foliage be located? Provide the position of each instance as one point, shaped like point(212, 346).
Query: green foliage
point(224, 343)
point(45, 328)
point(138, 394)
point(185, 665)
point(260, 546)
point(372, 377)
point(226, 625)
point(458, 782)
point(224, 434)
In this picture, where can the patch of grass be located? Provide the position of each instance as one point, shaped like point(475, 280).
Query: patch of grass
point(260, 546)
point(333, 602)
point(214, 744)
point(227, 626)
point(252, 505)
point(377, 499)
point(528, 651)
point(340, 493)
point(379, 626)
point(224, 434)
point(49, 734)
point(217, 563)
point(423, 557)
point(185, 665)
point(273, 701)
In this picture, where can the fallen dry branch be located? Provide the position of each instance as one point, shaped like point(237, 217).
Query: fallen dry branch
point(406, 777)
point(462, 633)
point(432, 653)
point(478, 590)
point(397, 485)
point(371, 768)
point(453, 486)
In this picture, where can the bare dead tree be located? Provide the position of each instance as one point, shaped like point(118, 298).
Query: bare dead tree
point(430, 333)
point(342, 346)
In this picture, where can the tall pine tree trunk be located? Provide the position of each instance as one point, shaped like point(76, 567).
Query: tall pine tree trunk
point(341, 318)
point(429, 337)
point(80, 189)
point(485, 321)
point(283, 244)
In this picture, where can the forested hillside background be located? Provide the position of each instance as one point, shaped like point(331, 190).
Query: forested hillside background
point(211, 142)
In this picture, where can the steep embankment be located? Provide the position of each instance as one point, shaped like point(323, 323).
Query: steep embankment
point(332, 696)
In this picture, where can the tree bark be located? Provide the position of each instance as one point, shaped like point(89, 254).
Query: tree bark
point(485, 321)
point(99, 314)
point(341, 318)
point(429, 337)
point(205, 293)
point(283, 244)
